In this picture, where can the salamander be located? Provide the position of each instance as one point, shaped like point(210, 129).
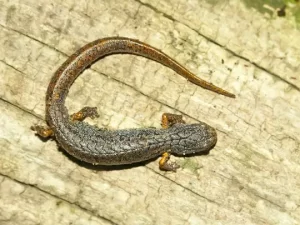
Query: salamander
point(116, 147)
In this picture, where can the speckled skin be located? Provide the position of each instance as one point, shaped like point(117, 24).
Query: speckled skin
point(115, 147)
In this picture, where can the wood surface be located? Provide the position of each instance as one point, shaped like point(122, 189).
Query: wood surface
point(252, 176)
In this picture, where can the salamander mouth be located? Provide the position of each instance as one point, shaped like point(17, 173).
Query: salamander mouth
point(211, 132)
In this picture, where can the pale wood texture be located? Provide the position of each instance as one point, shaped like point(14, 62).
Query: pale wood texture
point(252, 176)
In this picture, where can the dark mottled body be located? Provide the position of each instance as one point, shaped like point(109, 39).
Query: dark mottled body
point(115, 147)
point(108, 147)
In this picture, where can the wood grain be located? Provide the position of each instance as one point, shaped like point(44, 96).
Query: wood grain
point(250, 177)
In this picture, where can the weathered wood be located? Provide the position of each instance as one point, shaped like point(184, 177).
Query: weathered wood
point(250, 177)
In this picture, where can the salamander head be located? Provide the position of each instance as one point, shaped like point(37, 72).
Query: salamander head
point(192, 138)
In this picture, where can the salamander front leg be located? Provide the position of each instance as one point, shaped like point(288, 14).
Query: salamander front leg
point(165, 165)
point(167, 121)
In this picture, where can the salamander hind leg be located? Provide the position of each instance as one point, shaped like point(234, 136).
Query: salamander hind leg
point(46, 132)
point(84, 113)
point(41, 131)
